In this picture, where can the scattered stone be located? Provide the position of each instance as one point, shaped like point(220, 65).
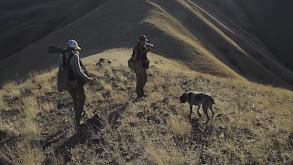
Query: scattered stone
point(290, 139)
point(3, 135)
point(102, 60)
point(113, 118)
point(257, 124)
point(157, 121)
point(140, 114)
point(132, 124)
point(165, 86)
point(154, 106)
point(95, 121)
point(151, 118)
point(60, 106)
point(166, 100)
point(99, 150)
point(222, 118)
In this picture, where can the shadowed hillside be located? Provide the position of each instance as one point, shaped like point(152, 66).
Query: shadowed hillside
point(273, 25)
point(197, 33)
point(25, 22)
point(252, 123)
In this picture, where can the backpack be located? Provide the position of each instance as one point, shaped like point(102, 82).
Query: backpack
point(135, 65)
point(65, 77)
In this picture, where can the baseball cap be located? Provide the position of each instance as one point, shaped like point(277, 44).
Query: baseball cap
point(73, 44)
point(142, 38)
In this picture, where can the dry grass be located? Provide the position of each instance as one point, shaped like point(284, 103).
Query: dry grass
point(44, 77)
point(179, 127)
point(2, 102)
point(8, 87)
point(105, 85)
point(156, 129)
point(47, 106)
point(30, 107)
point(38, 92)
point(108, 71)
point(31, 155)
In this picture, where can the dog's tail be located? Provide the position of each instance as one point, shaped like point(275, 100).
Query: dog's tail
point(212, 100)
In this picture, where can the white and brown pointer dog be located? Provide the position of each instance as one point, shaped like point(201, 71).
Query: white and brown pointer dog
point(198, 98)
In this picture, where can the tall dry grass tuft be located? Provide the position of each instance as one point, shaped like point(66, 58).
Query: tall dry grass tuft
point(47, 106)
point(23, 153)
point(108, 71)
point(38, 92)
point(29, 128)
point(180, 127)
point(44, 77)
point(119, 98)
point(12, 90)
point(9, 86)
point(105, 85)
point(96, 73)
point(32, 154)
point(30, 107)
point(158, 156)
point(3, 104)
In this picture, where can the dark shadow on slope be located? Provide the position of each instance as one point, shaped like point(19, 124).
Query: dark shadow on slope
point(84, 134)
point(28, 21)
point(202, 132)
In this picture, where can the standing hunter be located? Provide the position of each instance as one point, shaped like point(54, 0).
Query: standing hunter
point(71, 77)
point(139, 63)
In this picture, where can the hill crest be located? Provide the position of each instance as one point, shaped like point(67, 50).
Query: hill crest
point(196, 33)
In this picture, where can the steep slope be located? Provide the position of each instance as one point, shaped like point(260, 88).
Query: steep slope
point(25, 22)
point(273, 26)
point(156, 130)
point(194, 32)
point(228, 41)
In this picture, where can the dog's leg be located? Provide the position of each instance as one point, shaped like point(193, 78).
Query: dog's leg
point(198, 111)
point(205, 110)
point(190, 112)
point(211, 108)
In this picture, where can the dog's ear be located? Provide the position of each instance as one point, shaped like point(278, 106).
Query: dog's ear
point(183, 98)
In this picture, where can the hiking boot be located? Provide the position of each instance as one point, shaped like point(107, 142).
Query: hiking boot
point(77, 123)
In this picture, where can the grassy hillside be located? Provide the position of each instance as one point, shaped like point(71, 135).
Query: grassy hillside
point(275, 32)
point(252, 122)
point(25, 22)
point(196, 33)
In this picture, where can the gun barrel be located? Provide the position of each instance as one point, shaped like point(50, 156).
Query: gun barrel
point(149, 45)
point(55, 49)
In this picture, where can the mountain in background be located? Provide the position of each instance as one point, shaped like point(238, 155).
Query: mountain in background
point(224, 38)
point(25, 22)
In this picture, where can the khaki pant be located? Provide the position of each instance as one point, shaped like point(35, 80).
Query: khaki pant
point(141, 79)
point(78, 96)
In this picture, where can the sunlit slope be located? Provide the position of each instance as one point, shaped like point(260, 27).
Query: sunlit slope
point(229, 42)
point(193, 32)
point(118, 129)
